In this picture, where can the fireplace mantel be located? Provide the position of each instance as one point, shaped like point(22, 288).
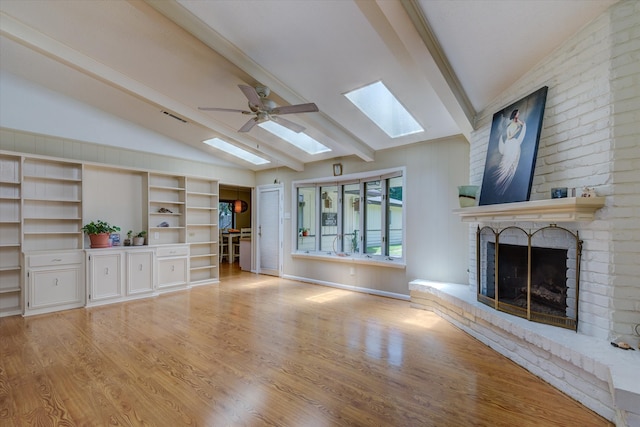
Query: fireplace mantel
point(571, 209)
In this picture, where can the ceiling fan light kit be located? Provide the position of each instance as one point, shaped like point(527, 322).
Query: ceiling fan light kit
point(265, 109)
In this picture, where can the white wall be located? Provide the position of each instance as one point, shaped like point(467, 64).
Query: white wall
point(436, 239)
point(590, 138)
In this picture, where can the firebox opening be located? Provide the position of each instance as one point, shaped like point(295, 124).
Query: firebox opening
point(548, 278)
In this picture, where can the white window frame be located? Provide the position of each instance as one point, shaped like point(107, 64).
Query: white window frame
point(361, 256)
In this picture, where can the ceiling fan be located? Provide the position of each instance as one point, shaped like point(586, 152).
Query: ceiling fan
point(265, 109)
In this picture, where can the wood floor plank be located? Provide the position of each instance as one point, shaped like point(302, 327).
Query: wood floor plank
point(264, 351)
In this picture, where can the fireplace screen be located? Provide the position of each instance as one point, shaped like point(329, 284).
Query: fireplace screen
point(531, 275)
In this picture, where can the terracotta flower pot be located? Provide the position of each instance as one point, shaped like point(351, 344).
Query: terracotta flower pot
point(99, 240)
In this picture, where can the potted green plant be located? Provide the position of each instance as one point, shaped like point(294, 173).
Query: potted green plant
point(99, 232)
point(138, 239)
point(128, 240)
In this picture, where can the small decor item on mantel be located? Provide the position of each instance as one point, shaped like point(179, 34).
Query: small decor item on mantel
point(99, 232)
point(588, 192)
point(138, 239)
point(467, 195)
point(559, 193)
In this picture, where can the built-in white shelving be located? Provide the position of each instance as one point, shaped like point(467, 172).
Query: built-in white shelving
point(202, 229)
point(166, 209)
point(51, 205)
point(10, 234)
point(42, 256)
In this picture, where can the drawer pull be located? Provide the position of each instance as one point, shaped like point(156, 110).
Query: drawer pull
point(56, 260)
point(56, 281)
point(173, 268)
point(140, 267)
point(106, 271)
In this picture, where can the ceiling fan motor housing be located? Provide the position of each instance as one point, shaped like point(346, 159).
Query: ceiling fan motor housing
point(263, 91)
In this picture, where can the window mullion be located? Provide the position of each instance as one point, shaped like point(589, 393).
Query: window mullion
point(383, 217)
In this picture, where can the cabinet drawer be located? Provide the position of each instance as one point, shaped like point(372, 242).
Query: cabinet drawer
point(50, 259)
point(171, 251)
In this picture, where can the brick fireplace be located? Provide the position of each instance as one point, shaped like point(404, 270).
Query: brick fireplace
point(589, 138)
point(587, 368)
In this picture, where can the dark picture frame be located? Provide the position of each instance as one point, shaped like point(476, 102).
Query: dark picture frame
point(512, 150)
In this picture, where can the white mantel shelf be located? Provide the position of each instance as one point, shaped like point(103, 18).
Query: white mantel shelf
point(571, 209)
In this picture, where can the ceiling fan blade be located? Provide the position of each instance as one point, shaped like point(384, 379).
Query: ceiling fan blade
point(299, 108)
point(231, 110)
point(288, 124)
point(252, 95)
point(249, 125)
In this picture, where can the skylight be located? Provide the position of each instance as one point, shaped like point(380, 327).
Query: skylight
point(235, 151)
point(384, 109)
point(300, 140)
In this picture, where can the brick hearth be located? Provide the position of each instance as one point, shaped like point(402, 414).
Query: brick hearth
point(601, 377)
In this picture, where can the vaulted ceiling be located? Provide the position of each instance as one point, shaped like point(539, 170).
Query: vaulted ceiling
point(154, 63)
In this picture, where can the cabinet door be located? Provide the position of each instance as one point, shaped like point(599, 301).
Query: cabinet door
point(105, 276)
point(140, 272)
point(55, 287)
point(172, 272)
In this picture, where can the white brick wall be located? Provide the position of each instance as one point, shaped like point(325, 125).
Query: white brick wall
point(625, 171)
point(590, 137)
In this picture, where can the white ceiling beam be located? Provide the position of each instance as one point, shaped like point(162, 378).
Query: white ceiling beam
point(192, 24)
point(400, 25)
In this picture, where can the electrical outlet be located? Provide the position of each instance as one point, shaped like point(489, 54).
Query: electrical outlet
point(156, 235)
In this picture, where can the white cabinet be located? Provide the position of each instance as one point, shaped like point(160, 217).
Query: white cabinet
point(140, 272)
point(55, 281)
point(119, 274)
point(104, 276)
point(173, 267)
point(43, 205)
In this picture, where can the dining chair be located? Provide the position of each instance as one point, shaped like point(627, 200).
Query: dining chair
point(223, 249)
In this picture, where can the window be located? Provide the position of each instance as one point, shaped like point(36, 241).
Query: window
point(226, 217)
point(307, 218)
point(228, 148)
point(383, 108)
point(360, 216)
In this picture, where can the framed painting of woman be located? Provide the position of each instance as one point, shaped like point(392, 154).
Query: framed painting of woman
point(512, 151)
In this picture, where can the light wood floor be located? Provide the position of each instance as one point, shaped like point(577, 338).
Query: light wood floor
point(257, 350)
